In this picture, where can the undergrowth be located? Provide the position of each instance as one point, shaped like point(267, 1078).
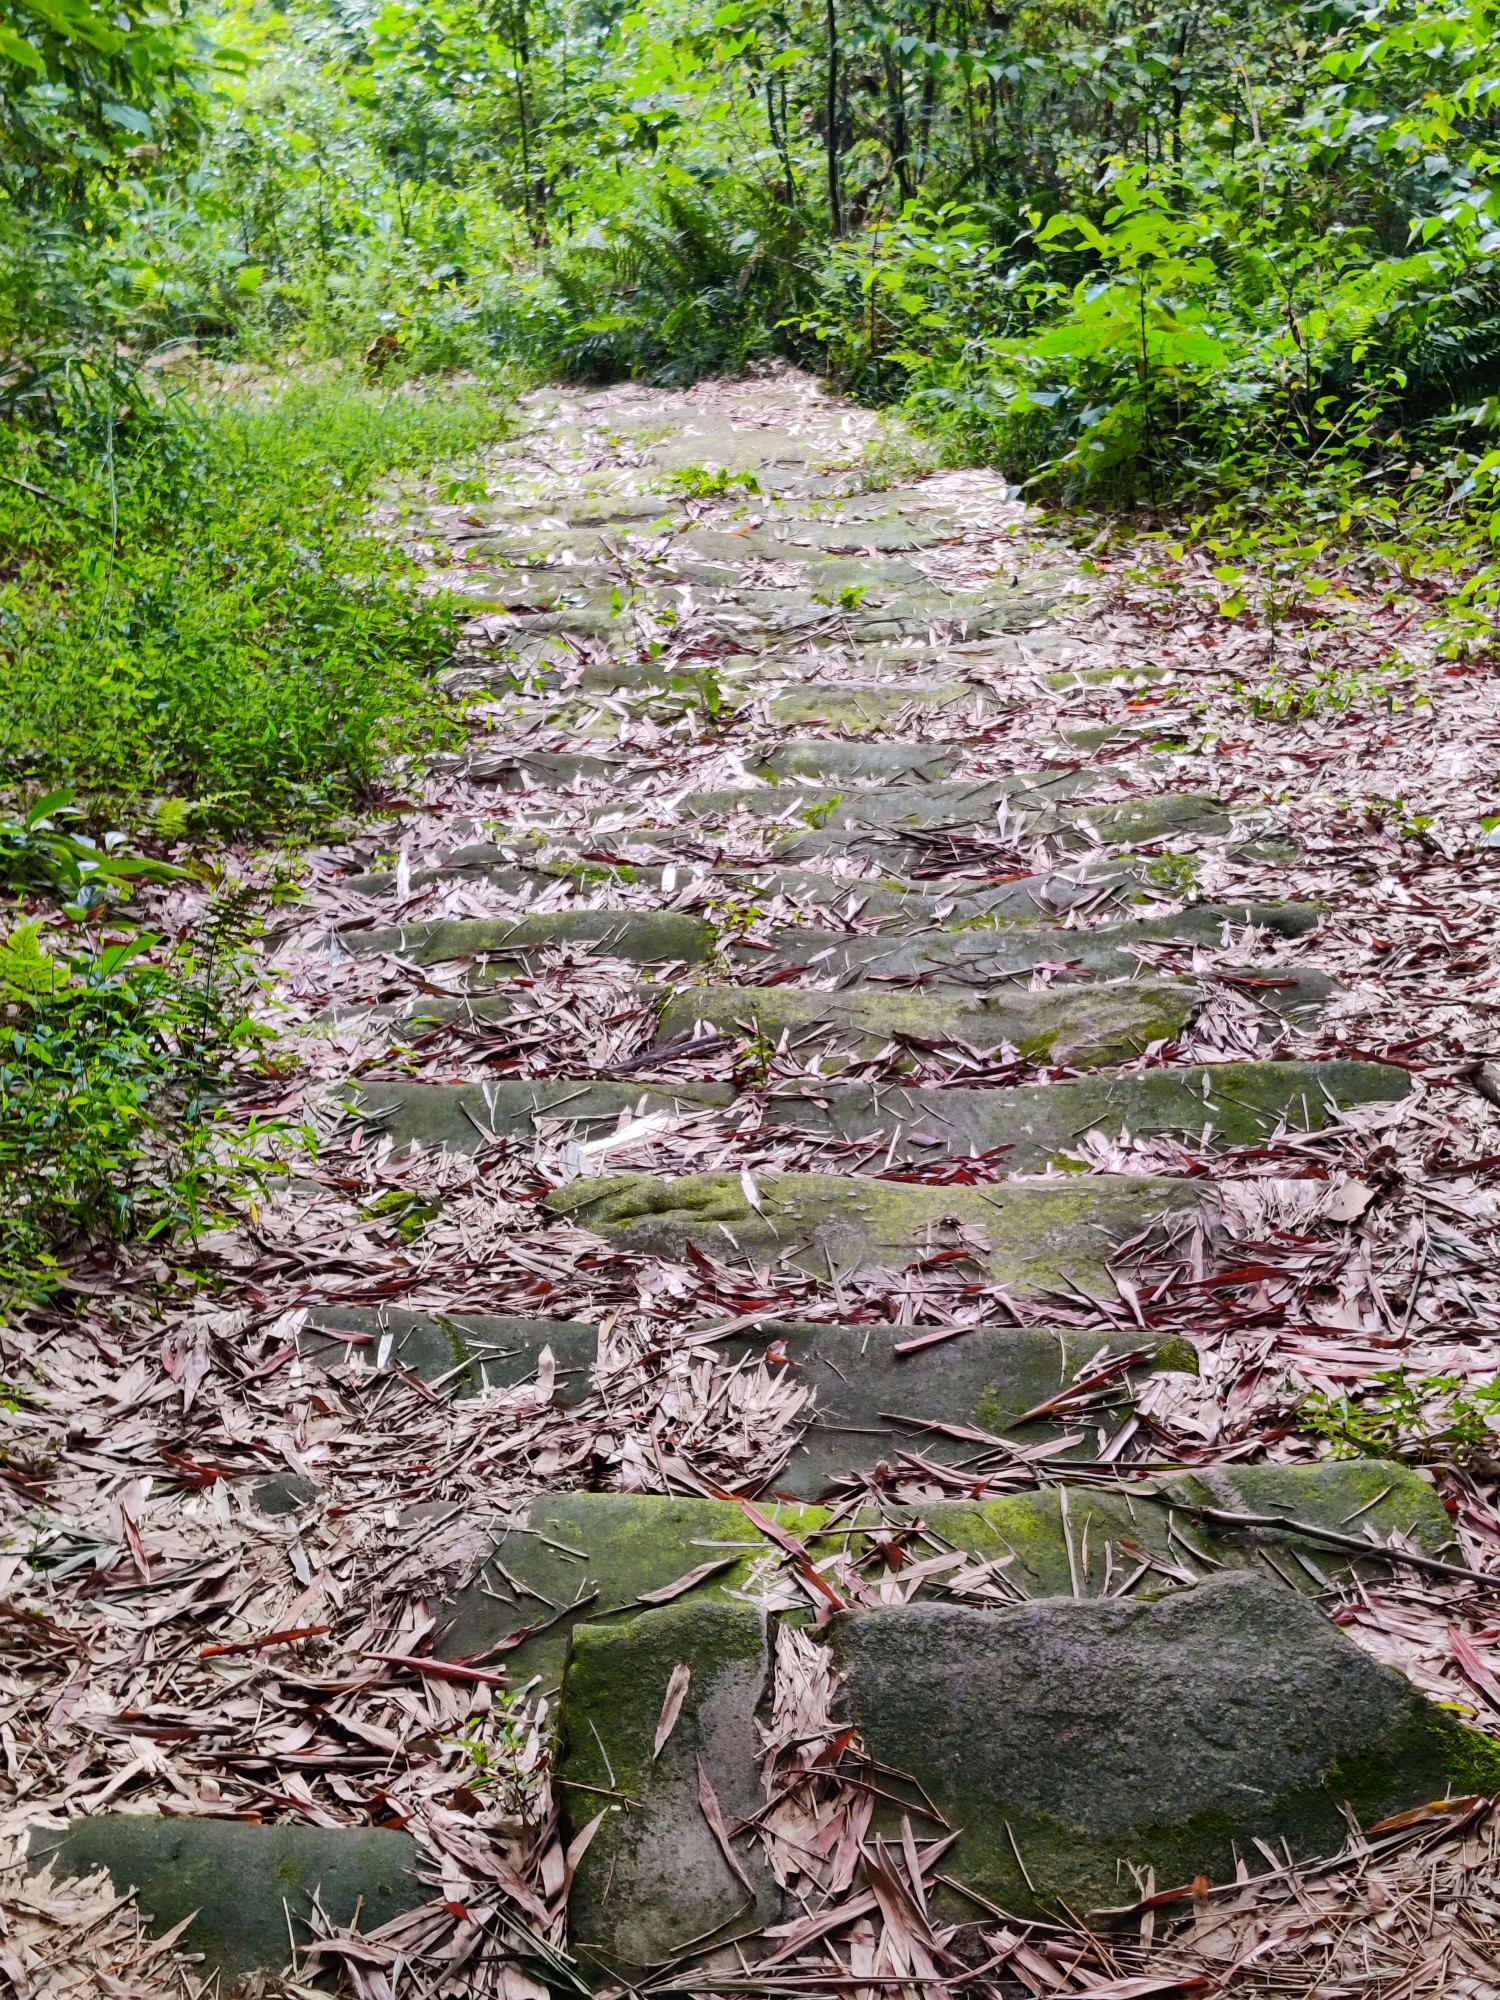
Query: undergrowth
point(197, 625)
point(114, 1062)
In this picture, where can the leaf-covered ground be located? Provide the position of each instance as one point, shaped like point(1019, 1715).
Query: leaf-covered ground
point(173, 1646)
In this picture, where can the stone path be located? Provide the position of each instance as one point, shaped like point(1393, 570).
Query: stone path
point(841, 1149)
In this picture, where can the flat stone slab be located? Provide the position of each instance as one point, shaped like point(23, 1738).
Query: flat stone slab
point(640, 937)
point(1065, 1738)
point(906, 840)
point(866, 711)
point(591, 1557)
point(873, 1402)
point(982, 953)
point(1082, 1026)
point(655, 1881)
point(245, 1882)
point(971, 801)
point(468, 1117)
point(1207, 1107)
point(1029, 1236)
point(462, 1352)
point(862, 763)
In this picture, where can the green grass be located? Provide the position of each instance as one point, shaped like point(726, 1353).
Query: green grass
point(197, 624)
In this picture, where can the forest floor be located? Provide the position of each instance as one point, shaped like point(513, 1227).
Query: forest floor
point(600, 942)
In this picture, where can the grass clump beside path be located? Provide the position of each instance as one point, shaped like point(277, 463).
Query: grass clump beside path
point(197, 626)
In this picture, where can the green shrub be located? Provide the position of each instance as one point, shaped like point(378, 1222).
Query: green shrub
point(196, 610)
point(111, 1065)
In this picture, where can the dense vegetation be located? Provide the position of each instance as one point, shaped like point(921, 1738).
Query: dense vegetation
point(1221, 270)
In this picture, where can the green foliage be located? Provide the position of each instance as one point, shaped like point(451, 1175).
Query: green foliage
point(37, 852)
point(110, 1065)
point(260, 672)
point(1427, 1416)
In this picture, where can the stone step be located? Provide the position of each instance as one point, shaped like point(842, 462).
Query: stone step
point(987, 958)
point(1082, 1026)
point(643, 861)
point(464, 1353)
point(872, 1401)
point(1062, 1741)
point(945, 801)
point(248, 1889)
point(860, 762)
point(1030, 1237)
point(956, 801)
point(510, 945)
point(922, 838)
point(467, 1117)
point(1239, 1104)
point(1242, 1103)
point(580, 1557)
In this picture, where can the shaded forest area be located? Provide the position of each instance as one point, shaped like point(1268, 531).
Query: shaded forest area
point(1224, 275)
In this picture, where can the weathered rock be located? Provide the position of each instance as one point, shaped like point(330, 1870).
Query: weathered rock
point(1066, 1738)
point(871, 763)
point(865, 711)
point(873, 1403)
point(1089, 1541)
point(907, 842)
point(1083, 1026)
point(465, 1118)
point(984, 953)
point(959, 801)
point(1028, 1236)
point(1233, 1104)
point(591, 1557)
point(248, 1884)
point(655, 1882)
point(464, 1352)
point(508, 944)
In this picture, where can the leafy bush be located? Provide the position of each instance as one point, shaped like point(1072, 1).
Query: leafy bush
point(196, 613)
point(110, 1067)
point(1426, 1416)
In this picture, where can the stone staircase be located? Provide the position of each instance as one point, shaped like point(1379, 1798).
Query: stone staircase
point(769, 761)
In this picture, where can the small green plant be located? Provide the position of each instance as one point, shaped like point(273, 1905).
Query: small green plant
point(1176, 872)
point(410, 1212)
point(40, 850)
point(702, 690)
point(703, 482)
point(820, 814)
point(1423, 1416)
point(1285, 696)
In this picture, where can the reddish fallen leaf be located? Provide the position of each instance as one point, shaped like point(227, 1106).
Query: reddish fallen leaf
point(267, 1639)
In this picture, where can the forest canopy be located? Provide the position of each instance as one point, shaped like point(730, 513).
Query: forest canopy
point(1125, 252)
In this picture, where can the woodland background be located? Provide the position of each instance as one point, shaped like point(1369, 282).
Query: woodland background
point(1217, 275)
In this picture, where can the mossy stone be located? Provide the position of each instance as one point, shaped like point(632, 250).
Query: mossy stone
point(834, 758)
point(640, 937)
point(1119, 823)
point(948, 800)
point(872, 1403)
point(1031, 1237)
point(865, 711)
point(465, 1352)
point(585, 1557)
point(1238, 1103)
point(1094, 1540)
point(1082, 1026)
point(468, 1117)
point(654, 1882)
point(244, 1881)
point(1067, 1738)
